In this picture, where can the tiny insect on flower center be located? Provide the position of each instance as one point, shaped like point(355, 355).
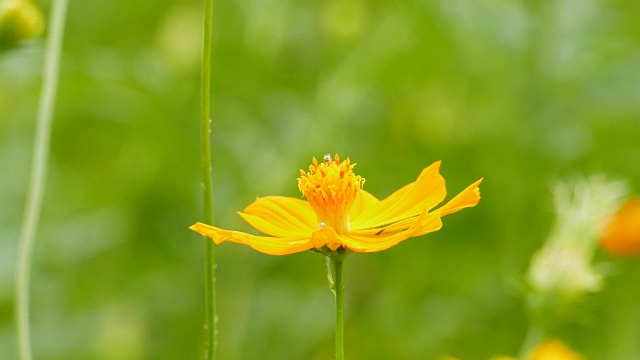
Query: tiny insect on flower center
point(331, 188)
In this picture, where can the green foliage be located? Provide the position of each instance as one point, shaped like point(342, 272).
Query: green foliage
point(521, 93)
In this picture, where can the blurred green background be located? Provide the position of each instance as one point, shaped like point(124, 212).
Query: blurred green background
point(519, 92)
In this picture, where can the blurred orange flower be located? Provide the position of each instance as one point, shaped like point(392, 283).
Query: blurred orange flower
point(554, 350)
point(621, 236)
point(338, 214)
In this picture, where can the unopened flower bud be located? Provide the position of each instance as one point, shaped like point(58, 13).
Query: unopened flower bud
point(19, 20)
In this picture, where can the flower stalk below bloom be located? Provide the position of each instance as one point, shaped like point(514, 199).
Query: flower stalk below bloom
point(335, 262)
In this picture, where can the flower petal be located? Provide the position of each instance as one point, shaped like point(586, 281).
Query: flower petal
point(466, 198)
point(364, 200)
point(326, 237)
point(366, 241)
point(412, 199)
point(264, 244)
point(387, 234)
point(281, 216)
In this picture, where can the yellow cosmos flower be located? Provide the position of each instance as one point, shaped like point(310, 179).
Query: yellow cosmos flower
point(554, 350)
point(339, 214)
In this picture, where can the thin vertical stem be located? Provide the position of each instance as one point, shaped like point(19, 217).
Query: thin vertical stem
point(534, 337)
point(336, 282)
point(40, 157)
point(211, 317)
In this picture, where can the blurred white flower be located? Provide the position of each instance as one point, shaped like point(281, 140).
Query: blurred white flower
point(563, 269)
point(563, 266)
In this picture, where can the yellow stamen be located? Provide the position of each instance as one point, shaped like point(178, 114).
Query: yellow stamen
point(331, 188)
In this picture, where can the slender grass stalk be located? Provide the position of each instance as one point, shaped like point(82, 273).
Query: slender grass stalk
point(211, 316)
point(336, 283)
point(40, 157)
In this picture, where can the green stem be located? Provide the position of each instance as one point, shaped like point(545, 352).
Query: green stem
point(534, 337)
point(211, 316)
point(40, 157)
point(336, 283)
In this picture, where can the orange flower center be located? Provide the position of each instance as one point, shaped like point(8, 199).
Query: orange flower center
point(331, 188)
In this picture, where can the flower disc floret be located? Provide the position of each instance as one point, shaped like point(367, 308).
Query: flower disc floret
point(331, 188)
